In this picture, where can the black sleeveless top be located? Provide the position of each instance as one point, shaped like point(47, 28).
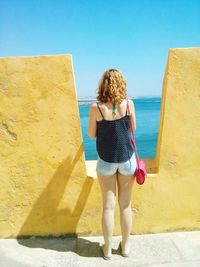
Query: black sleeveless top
point(113, 140)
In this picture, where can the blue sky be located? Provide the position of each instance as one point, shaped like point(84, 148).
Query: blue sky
point(133, 36)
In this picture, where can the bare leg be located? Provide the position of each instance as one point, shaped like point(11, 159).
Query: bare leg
point(108, 188)
point(125, 184)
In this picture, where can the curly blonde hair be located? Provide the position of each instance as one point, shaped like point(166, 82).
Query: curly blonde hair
point(112, 87)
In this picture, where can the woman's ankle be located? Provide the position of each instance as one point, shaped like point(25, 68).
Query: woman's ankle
point(107, 249)
point(125, 243)
point(107, 245)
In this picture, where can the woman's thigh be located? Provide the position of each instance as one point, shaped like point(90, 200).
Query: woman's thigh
point(125, 185)
point(108, 189)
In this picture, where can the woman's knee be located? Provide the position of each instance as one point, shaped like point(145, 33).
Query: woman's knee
point(124, 202)
point(109, 204)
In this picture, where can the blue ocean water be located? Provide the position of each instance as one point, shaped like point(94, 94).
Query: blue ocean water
point(147, 111)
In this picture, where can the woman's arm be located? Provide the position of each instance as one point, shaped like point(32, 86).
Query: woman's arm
point(132, 115)
point(92, 121)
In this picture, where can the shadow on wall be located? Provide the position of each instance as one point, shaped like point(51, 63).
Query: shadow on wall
point(52, 216)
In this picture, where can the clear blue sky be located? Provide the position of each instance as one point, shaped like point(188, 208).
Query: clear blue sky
point(133, 36)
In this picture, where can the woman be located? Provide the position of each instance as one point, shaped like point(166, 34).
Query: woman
point(111, 120)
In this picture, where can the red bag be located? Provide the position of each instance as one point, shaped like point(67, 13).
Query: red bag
point(140, 171)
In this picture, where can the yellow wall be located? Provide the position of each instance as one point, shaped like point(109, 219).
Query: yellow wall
point(45, 186)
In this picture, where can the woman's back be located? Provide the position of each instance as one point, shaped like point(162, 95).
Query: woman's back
point(106, 109)
point(113, 142)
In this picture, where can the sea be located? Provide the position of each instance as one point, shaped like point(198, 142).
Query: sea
point(147, 112)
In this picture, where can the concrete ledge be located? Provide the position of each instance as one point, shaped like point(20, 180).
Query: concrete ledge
point(175, 249)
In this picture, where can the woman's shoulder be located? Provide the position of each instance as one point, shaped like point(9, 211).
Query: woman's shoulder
point(98, 103)
point(131, 102)
point(93, 105)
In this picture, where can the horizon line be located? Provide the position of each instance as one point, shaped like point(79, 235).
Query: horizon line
point(136, 97)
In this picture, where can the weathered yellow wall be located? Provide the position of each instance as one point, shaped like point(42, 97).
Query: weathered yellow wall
point(45, 187)
point(170, 200)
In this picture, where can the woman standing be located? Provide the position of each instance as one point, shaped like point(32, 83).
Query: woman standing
point(109, 122)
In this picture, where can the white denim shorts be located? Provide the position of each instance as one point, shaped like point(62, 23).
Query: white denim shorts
point(109, 168)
